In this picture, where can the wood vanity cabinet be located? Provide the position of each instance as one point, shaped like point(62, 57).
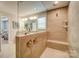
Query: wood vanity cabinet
point(24, 49)
point(21, 48)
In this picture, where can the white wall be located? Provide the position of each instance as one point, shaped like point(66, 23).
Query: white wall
point(74, 28)
point(12, 32)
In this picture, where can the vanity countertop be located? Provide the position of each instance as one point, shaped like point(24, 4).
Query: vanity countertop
point(20, 35)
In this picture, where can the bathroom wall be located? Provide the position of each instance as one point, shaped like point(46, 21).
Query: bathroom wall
point(55, 24)
point(74, 28)
point(12, 31)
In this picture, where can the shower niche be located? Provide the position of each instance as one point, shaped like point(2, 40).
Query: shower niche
point(66, 25)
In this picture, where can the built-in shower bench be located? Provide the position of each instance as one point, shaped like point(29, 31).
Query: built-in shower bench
point(63, 46)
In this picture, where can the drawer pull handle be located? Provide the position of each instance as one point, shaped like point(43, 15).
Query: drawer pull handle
point(29, 43)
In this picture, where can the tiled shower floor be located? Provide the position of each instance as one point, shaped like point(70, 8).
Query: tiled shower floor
point(53, 53)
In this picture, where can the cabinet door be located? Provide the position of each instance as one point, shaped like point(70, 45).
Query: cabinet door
point(37, 49)
point(25, 51)
point(39, 46)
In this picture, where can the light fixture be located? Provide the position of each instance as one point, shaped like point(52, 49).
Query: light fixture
point(31, 18)
point(35, 17)
point(24, 19)
point(56, 2)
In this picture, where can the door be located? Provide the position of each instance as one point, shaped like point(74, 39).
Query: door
point(4, 29)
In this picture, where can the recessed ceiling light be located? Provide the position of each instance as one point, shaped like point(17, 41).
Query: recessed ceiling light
point(56, 2)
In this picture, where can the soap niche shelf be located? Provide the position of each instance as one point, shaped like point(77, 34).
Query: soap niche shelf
point(66, 25)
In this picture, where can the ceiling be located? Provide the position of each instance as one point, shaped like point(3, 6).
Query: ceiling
point(8, 7)
point(29, 7)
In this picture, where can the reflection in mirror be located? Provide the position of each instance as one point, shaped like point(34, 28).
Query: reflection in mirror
point(33, 25)
point(41, 23)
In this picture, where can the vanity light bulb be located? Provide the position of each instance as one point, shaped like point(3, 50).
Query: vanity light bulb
point(26, 19)
point(35, 17)
point(31, 18)
point(23, 19)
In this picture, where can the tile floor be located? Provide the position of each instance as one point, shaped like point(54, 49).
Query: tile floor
point(4, 41)
point(7, 51)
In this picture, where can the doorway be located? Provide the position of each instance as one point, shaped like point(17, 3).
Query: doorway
point(4, 30)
